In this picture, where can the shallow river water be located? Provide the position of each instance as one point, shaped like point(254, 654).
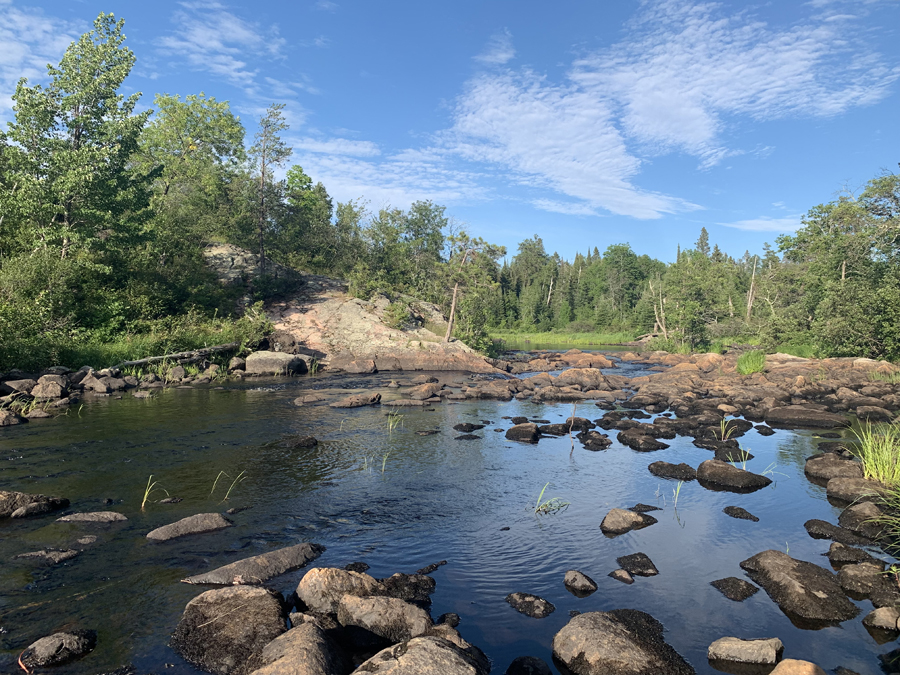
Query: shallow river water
point(397, 501)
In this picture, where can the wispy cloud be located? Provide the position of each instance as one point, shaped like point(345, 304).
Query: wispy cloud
point(327, 5)
point(766, 224)
point(499, 49)
point(338, 146)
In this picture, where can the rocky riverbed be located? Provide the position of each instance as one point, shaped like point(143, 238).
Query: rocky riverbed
point(680, 455)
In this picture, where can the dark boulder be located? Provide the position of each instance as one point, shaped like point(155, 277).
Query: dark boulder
point(260, 568)
point(864, 519)
point(850, 490)
point(800, 417)
point(821, 529)
point(415, 588)
point(59, 648)
point(716, 474)
point(526, 432)
point(640, 442)
point(28, 504)
point(682, 472)
point(528, 665)
point(840, 554)
point(467, 427)
point(739, 513)
point(638, 564)
point(829, 465)
point(734, 588)
point(530, 605)
point(594, 440)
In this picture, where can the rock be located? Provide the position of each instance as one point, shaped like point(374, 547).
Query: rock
point(830, 465)
point(415, 588)
point(275, 363)
point(467, 427)
point(734, 588)
point(236, 363)
point(851, 490)
point(528, 665)
point(260, 568)
point(800, 589)
point(433, 567)
point(424, 391)
point(799, 417)
point(868, 580)
point(739, 513)
point(428, 655)
point(732, 455)
point(9, 418)
point(48, 556)
point(579, 584)
point(22, 504)
point(620, 521)
point(839, 554)
point(322, 588)
point(357, 401)
point(50, 387)
point(23, 386)
point(304, 650)
point(640, 442)
point(59, 648)
point(638, 564)
point(223, 631)
point(796, 667)
point(524, 433)
point(820, 529)
point(760, 651)
point(622, 575)
point(763, 430)
point(620, 642)
point(717, 474)
point(594, 440)
point(883, 618)
point(644, 508)
point(682, 472)
point(93, 517)
point(198, 524)
point(863, 519)
point(530, 605)
point(389, 618)
point(449, 619)
point(864, 412)
point(297, 442)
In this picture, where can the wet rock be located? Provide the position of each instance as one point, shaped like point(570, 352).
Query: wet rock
point(416, 588)
point(829, 465)
point(467, 437)
point(428, 655)
point(862, 519)
point(518, 420)
point(638, 564)
point(644, 508)
point(622, 575)
point(839, 554)
point(303, 650)
point(734, 588)
point(274, 363)
point(449, 619)
point(528, 665)
point(22, 504)
point(800, 589)
point(763, 430)
point(594, 440)
point(640, 442)
point(851, 490)
point(322, 588)
point(620, 642)
point(93, 517)
point(579, 584)
point(198, 524)
point(48, 556)
point(761, 651)
point(356, 567)
point(357, 401)
point(389, 618)
point(800, 417)
point(59, 648)
point(433, 567)
point(579, 424)
point(432, 432)
point(260, 568)
point(297, 442)
point(716, 445)
point(524, 433)
point(10, 418)
point(620, 521)
point(820, 529)
point(530, 605)
point(424, 391)
point(864, 412)
point(683, 472)
point(739, 513)
point(467, 427)
point(738, 455)
point(223, 631)
point(867, 580)
point(718, 474)
point(553, 429)
point(797, 667)
point(883, 618)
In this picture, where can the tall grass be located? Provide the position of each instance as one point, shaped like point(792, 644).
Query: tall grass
point(878, 449)
point(515, 338)
point(889, 378)
point(751, 362)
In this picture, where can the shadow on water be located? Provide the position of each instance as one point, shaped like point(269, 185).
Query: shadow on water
point(397, 501)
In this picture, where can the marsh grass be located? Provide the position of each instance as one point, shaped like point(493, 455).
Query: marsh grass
point(739, 456)
point(878, 449)
point(152, 486)
point(513, 338)
point(676, 491)
point(240, 478)
point(551, 505)
point(726, 428)
point(889, 378)
point(751, 362)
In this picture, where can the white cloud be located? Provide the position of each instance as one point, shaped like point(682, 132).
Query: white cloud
point(338, 146)
point(567, 208)
point(327, 5)
point(499, 50)
point(766, 224)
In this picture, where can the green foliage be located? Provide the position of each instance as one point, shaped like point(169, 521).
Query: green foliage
point(396, 315)
point(751, 362)
point(878, 449)
point(551, 505)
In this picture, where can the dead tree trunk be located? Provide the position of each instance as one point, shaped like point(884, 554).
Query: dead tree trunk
point(453, 302)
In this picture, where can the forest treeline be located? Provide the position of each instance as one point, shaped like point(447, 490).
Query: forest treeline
point(105, 211)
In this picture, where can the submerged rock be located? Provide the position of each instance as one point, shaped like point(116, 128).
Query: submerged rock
point(734, 588)
point(530, 605)
point(223, 631)
point(739, 513)
point(760, 651)
point(93, 517)
point(260, 568)
point(620, 642)
point(59, 648)
point(22, 504)
point(620, 521)
point(800, 589)
point(682, 472)
point(198, 524)
point(48, 556)
point(638, 564)
point(357, 401)
point(718, 474)
point(579, 584)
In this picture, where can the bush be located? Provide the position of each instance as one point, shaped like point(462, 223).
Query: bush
point(397, 315)
point(751, 362)
point(580, 327)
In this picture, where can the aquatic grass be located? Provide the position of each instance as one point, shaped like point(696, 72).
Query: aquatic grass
point(240, 478)
point(741, 458)
point(152, 486)
point(751, 362)
point(676, 491)
point(878, 449)
point(551, 505)
point(726, 428)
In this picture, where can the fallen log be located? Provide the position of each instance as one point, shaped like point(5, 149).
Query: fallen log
point(182, 357)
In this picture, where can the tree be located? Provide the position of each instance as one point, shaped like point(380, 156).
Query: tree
point(464, 249)
point(269, 152)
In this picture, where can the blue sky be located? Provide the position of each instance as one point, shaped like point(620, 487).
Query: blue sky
point(588, 123)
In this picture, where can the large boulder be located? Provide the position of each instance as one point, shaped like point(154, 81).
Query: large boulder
point(392, 619)
point(59, 648)
point(530, 605)
point(829, 465)
point(682, 472)
point(620, 521)
point(260, 568)
point(852, 490)
point(303, 650)
point(275, 363)
point(620, 642)
point(426, 655)
point(198, 524)
point(802, 590)
point(21, 504)
point(223, 631)
point(524, 433)
point(322, 588)
point(864, 519)
point(10, 418)
point(760, 651)
point(716, 474)
point(800, 417)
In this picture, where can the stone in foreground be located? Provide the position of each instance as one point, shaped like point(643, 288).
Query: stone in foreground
point(261, 567)
point(303, 650)
point(274, 363)
point(620, 521)
point(530, 605)
point(802, 590)
point(427, 655)
point(393, 619)
point(59, 648)
point(721, 475)
point(223, 631)
point(322, 588)
point(528, 665)
point(797, 667)
point(620, 642)
point(763, 651)
point(579, 584)
point(202, 522)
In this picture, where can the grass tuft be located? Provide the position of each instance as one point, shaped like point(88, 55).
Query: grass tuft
point(150, 489)
point(879, 452)
point(751, 362)
point(551, 505)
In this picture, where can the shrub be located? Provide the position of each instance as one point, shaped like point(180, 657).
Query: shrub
point(878, 449)
point(751, 362)
point(396, 315)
